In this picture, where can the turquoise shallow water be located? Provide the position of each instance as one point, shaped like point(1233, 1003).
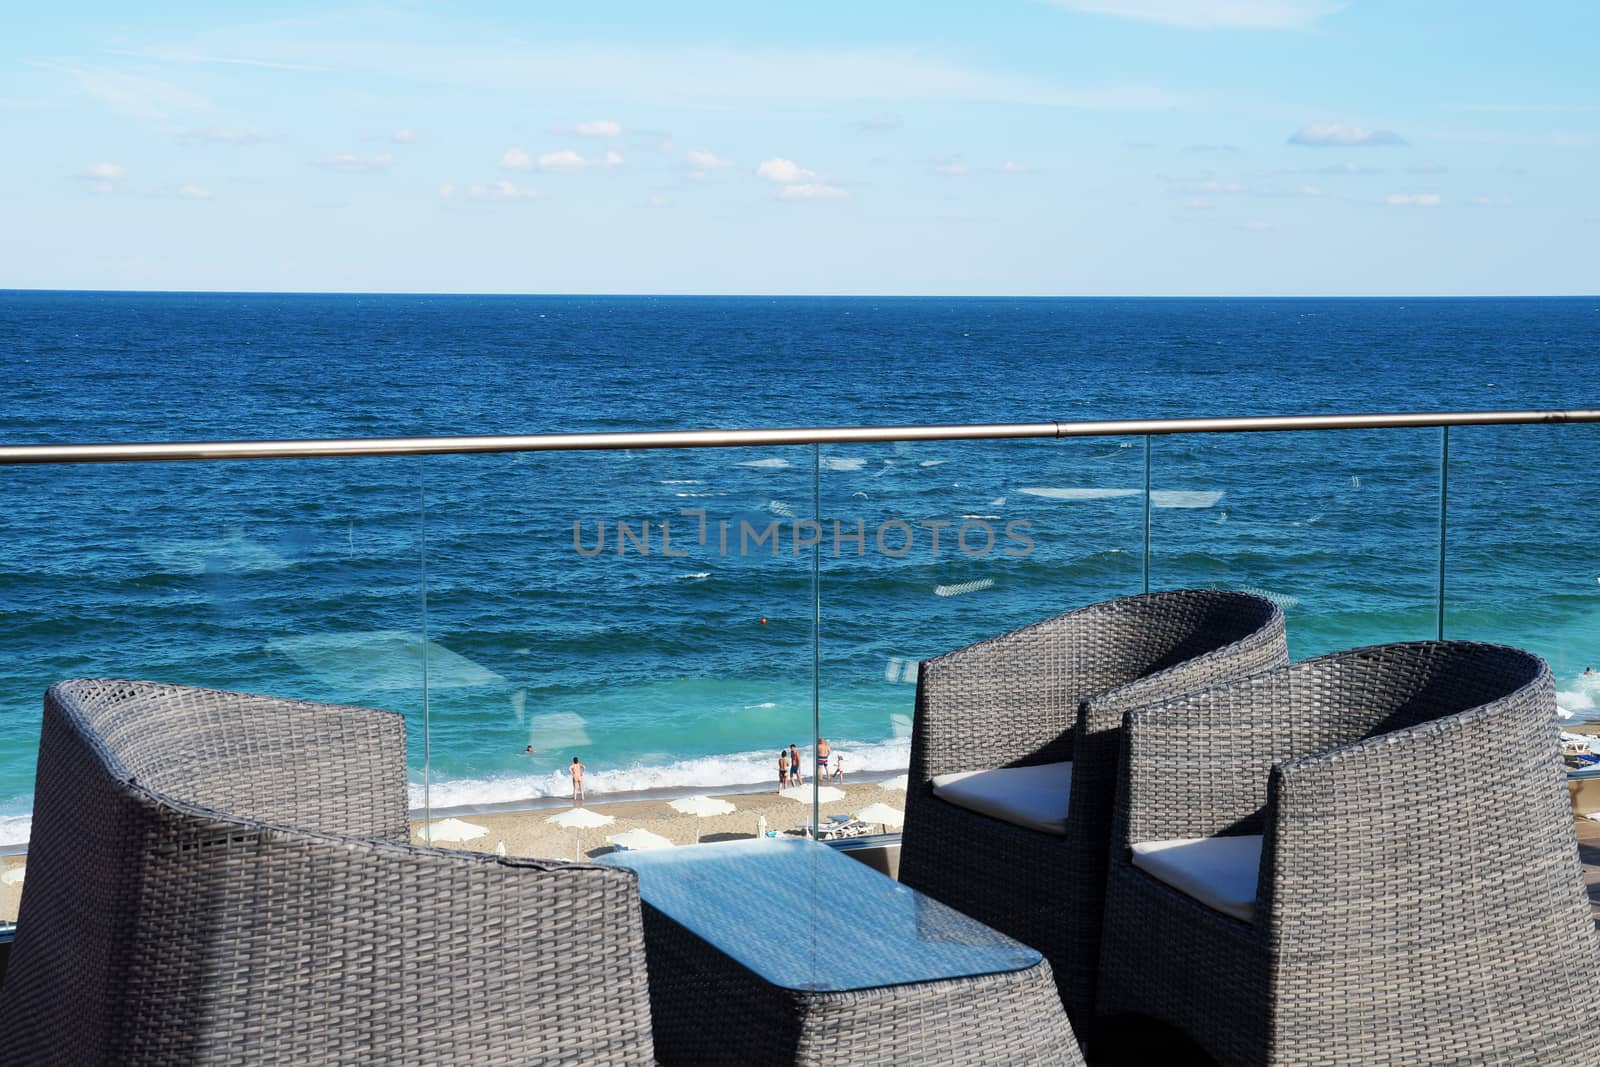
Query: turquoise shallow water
point(690, 665)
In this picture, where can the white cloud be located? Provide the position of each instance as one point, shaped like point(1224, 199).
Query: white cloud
point(812, 191)
point(1310, 190)
point(786, 171)
point(516, 159)
point(1338, 135)
point(1212, 14)
point(402, 136)
point(568, 160)
point(1014, 168)
point(700, 159)
point(350, 163)
point(600, 128)
point(194, 192)
point(496, 190)
point(1412, 200)
point(105, 171)
point(953, 169)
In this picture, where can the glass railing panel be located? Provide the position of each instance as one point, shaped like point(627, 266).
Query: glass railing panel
point(1522, 553)
point(1340, 528)
point(931, 546)
point(294, 578)
point(646, 614)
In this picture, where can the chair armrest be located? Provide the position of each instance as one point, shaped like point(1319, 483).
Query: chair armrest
point(1428, 805)
point(1197, 765)
point(298, 944)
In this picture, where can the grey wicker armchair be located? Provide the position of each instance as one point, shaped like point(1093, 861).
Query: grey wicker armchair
point(1418, 897)
point(1050, 697)
point(217, 878)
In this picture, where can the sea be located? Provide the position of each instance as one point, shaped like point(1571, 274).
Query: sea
point(672, 617)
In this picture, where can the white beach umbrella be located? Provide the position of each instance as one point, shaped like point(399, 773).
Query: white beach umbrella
point(826, 794)
point(638, 839)
point(701, 807)
point(581, 819)
point(452, 830)
point(899, 783)
point(883, 815)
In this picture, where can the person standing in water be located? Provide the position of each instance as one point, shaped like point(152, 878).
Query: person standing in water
point(783, 769)
point(796, 775)
point(576, 770)
point(823, 751)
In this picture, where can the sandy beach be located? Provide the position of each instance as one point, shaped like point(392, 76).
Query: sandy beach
point(527, 833)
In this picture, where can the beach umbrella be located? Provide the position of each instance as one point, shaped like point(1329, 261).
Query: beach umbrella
point(452, 830)
point(638, 839)
point(883, 815)
point(899, 783)
point(580, 819)
point(701, 807)
point(826, 794)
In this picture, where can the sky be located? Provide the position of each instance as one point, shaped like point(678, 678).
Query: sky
point(1017, 147)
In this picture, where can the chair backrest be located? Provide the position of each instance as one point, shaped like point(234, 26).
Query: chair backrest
point(218, 878)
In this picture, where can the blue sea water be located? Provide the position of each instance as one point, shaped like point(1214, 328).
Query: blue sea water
point(689, 666)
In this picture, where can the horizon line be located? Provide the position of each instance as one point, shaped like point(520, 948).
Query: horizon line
point(153, 291)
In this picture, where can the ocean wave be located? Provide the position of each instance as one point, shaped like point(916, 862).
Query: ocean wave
point(693, 576)
point(682, 481)
point(708, 772)
point(774, 463)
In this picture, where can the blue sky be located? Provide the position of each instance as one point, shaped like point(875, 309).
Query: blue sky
point(1013, 146)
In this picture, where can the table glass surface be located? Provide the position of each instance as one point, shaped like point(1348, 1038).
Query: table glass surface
point(802, 916)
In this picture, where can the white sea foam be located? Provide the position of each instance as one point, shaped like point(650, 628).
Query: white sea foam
point(933, 463)
point(774, 463)
point(694, 494)
point(1184, 498)
point(768, 704)
point(960, 588)
point(14, 829)
point(709, 772)
point(1080, 493)
point(694, 576)
point(780, 509)
point(682, 481)
point(842, 463)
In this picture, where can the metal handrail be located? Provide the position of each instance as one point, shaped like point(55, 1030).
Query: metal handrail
point(172, 451)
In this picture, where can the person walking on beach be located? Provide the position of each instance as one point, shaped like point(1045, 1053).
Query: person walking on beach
point(576, 770)
point(838, 768)
point(796, 775)
point(783, 769)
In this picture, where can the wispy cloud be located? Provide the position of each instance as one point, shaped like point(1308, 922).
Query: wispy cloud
point(599, 128)
point(497, 190)
point(1338, 135)
point(1212, 14)
point(351, 163)
point(813, 191)
point(103, 177)
point(1011, 167)
point(194, 192)
point(225, 135)
point(1413, 200)
point(954, 168)
point(402, 136)
point(165, 55)
point(134, 95)
point(702, 160)
point(564, 160)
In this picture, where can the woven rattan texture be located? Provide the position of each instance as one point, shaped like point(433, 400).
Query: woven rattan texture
point(1375, 940)
point(1054, 691)
point(291, 926)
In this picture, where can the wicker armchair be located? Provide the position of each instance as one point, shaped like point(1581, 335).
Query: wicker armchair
point(1043, 695)
point(217, 878)
point(1418, 897)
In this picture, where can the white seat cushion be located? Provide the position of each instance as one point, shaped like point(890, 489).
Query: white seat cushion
point(1219, 872)
point(1032, 797)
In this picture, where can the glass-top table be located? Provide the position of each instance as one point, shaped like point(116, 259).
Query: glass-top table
point(785, 951)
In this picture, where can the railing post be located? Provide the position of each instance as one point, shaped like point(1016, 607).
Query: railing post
point(1444, 502)
point(1146, 513)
